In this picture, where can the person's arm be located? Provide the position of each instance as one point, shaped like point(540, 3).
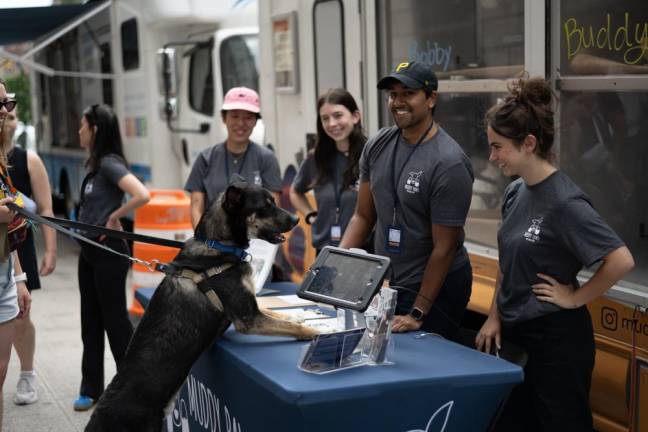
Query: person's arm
point(277, 197)
point(43, 197)
point(363, 219)
point(197, 207)
point(24, 297)
point(271, 175)
point(300, 202)
point(492, 327)
point(436, 270)
point(615, 265)
point(139, 196)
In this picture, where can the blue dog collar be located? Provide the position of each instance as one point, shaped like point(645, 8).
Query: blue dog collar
point(238, 252)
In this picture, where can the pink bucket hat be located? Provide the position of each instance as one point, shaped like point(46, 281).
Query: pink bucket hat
point(241, 98)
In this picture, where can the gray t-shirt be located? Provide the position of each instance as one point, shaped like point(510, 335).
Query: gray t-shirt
point(209, 172)
point(435, 187)
point(325, 197)
point(100, 195)
point(550, 228)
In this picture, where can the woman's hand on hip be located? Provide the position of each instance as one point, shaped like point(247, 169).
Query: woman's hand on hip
point(554, 292)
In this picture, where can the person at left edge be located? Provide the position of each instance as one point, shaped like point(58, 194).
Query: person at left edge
point(102, 274)
point(216, 166)
point(28, 175)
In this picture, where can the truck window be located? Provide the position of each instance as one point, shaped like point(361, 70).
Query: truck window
point(239, 59)
point(328, 34)
point(601, 69)
point(130, 44)
point(201, 80)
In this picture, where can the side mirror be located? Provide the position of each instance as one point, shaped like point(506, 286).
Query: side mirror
point(168, 75)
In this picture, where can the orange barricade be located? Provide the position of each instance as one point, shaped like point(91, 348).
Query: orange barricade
point(167, 215)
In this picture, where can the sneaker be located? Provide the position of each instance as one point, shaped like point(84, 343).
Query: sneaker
point(26, 389)
point(83, 403)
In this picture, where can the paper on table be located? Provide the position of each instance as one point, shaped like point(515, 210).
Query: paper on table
point(273, 302)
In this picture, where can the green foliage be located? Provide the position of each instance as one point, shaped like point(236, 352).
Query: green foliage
point(19, 84)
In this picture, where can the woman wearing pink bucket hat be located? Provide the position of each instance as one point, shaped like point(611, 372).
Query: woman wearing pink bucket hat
point(216, 166)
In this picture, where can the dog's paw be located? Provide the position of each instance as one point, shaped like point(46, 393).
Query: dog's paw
point(307, 333)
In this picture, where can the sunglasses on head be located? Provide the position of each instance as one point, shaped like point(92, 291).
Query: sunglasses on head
point(9, 104)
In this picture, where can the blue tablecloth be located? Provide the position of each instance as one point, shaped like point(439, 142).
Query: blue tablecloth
point(251, 383)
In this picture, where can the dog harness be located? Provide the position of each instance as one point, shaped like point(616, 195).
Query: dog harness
point(200, 279)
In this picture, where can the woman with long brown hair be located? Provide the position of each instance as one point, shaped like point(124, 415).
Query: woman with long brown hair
point(102, 275)
point(332, 169)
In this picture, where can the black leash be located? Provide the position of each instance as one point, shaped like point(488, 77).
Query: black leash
point(58, 224)
point(202, 279)
point(98, 230)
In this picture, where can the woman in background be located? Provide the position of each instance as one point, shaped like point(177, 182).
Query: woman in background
point(332, 169)
point(102, 275)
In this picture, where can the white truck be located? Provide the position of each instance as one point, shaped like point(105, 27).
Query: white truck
point(163, 66)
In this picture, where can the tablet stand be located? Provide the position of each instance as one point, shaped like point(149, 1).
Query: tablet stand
point(377, 344)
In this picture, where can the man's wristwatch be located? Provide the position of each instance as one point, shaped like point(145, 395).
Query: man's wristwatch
point(417, 314)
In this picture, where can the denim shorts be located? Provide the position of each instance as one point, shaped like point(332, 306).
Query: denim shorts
point(8, 293)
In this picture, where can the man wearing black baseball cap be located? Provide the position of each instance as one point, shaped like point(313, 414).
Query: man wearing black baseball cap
point(412, 75)
point(415, 188)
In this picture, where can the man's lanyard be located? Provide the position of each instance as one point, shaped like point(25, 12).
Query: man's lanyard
point(395, 177)
point(240, 168)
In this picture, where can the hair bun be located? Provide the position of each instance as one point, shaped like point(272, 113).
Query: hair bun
point(533, 91)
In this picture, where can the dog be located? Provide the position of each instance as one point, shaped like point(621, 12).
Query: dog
point(181, 322)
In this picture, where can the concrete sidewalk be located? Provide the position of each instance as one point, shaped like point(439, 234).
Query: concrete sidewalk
point(56, 315)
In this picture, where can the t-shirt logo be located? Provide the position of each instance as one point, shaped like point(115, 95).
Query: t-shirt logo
point(412, 183)
point(533, 233)
point(88, 188)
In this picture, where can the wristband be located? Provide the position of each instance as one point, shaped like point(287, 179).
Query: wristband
point(22, 277)
point(308, 217)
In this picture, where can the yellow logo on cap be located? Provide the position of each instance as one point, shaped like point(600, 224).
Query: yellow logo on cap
point(403, 65)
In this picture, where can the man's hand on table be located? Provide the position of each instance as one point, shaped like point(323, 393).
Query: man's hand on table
point(405, 323)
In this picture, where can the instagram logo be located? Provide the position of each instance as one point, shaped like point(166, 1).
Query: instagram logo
point(609, 318)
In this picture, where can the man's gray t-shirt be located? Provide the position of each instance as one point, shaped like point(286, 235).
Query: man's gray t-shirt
point(100, 195)
point(209, 174)
point(325, 196)
point(435, 187)
point(550, 228)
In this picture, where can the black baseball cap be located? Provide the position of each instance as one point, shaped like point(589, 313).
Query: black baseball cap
point(412, 75)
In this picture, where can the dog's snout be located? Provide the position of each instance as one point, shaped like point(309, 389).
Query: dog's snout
point(294, 220)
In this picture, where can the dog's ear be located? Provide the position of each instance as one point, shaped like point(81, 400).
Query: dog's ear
point(234, 195)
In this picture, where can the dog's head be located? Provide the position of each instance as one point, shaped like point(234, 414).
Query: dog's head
point(245, 211)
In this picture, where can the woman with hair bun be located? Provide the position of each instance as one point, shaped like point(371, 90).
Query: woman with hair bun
point(549, 232)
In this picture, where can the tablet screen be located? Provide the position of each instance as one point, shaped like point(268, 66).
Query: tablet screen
point(343, 278)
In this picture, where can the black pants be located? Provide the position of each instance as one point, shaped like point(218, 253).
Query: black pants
point(445, 316)
point(555, 393)
point(102, 283)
